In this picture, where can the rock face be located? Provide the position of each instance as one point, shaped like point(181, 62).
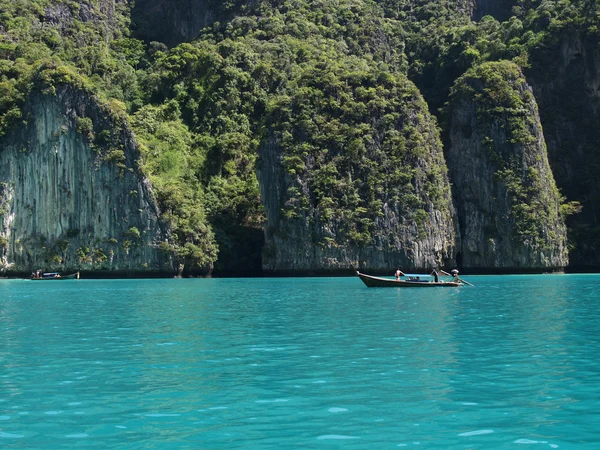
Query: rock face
point(412, 219)
point(507, 201)
point(176, 21)
point(65, 206)
point(499, 9)
point(61, 15)
point(565, 76)
point(171, 22)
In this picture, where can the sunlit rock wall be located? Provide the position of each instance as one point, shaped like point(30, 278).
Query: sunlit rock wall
point(69, 204)
point(506, 197)
point(404, 236)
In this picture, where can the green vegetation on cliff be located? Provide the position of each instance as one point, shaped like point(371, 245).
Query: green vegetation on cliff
point(504, 116)
point(326, 81)
point(316, 81)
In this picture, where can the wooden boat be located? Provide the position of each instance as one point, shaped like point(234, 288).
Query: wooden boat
point(371, 281)
point(55, 276)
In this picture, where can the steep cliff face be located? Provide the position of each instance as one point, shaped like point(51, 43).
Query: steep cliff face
point(380, 203)
point(71, 195)
point(499, 9)
point(176, 21)
point(507, 201)
point(62, 15)
point(171, 22)
point(565, 76)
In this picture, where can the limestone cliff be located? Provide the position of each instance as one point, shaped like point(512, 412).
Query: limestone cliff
point(507, 201)
point(381, 203)
point(176, 21)
point(499, 9)
point(61, 15)
point(565, 76)
point(71, 195)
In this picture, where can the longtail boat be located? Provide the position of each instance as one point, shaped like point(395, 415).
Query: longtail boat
point(410, 281)
point(54, 276)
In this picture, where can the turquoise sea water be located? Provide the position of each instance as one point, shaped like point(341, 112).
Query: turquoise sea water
point(307, 363)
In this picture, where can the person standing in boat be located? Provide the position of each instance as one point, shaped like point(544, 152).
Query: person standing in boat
point(454, 273)
point(436, 277)
point(399, 274)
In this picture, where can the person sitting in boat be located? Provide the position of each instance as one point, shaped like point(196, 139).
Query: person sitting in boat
point(399, 274)
point(454, 273)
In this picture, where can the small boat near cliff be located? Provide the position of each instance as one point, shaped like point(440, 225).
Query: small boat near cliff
point(410, 281)
point(54, 276)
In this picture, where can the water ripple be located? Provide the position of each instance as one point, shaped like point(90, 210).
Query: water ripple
point(299, 363)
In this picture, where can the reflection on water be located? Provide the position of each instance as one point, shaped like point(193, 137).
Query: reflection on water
point(299, 363)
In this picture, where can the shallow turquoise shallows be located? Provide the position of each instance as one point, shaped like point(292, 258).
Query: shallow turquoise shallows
point(300, 363)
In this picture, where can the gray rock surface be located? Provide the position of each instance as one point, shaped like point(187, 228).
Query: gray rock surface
point(401, 237)
point(565, 77)
point(507, 201)
point(170, 21)
point(63, 205)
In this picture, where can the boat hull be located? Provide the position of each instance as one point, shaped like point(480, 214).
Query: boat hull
point(72, 276)
point(371, 281)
